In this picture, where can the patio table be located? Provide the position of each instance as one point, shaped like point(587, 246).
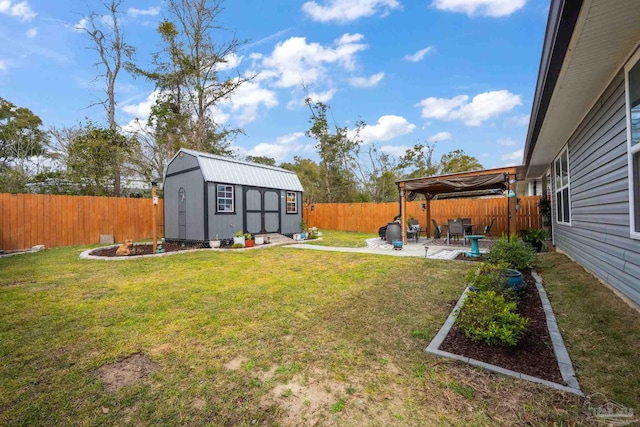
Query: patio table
point(475, 249)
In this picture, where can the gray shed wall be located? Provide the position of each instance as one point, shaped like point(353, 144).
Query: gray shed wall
point(182, 163)
point(290, 223)
point(193, 183)
point(225, 225)
point(599, 192)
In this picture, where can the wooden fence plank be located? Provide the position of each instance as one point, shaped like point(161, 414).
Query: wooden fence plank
point(368, 217)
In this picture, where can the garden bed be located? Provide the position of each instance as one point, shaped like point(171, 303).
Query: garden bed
point(139, 249)
point(533, 355)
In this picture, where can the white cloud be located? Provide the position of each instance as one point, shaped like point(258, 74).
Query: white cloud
point(278, 150)
point(482, 107)
point(325, 96)
point(151, 11)
point(492, 8)
point(230, 61)
point(387, 128)
point(419, 55)
point(440, 136)
point(520, 120)
point(396, 150)
point(20, 10)
point(32, 32)
point(295, 61)
point(513, 158)
point(348, 10)
point(507, 142)
point(3, 66)
point(81, 25)
point(142, 110)
point(370, 81)
point(247, 99)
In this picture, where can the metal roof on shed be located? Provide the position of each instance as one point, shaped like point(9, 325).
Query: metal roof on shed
point(231, 171)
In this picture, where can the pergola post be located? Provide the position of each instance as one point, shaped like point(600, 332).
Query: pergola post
point(403, 213)
point(428, 216)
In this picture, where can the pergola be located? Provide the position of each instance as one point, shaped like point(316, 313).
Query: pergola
point(466, 182)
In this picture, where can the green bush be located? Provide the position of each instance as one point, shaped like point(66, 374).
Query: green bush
point(237, 245)
point(487, 316)
point(514, 254)
point(490, 277)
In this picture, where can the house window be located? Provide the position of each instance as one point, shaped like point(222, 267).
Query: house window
point(632, 80)
point(563, 205)
point(292, 202)
point(224, 198)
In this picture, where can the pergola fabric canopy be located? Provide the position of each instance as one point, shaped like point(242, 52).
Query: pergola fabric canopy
point(432, 186)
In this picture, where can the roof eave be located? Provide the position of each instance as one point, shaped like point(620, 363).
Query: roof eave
point(563, 16)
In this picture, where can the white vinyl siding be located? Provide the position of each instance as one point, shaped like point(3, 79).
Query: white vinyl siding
point(632, 86)
point(562, 188)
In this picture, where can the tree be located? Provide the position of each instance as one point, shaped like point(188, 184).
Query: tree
point(187, 77)
point(107, 39)
point(21, 145)
point(90, 156)
point(310, 175)
point(376, 174)
point(338, 154)
point(419, 160)
point(457, 161)
point(264, 160)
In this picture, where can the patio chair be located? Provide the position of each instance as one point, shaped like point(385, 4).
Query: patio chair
point(468, 227)
point(487, 228)
point(437, 230)
point(455, 229)
point(413, 230)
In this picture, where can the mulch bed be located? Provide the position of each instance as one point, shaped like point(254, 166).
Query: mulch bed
point(534, 353)
point(141, 249)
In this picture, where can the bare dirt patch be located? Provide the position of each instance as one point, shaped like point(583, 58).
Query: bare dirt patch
point(126, 371)
point(305, 400)
point(236, 363)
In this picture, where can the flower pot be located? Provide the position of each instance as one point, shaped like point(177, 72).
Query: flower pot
point(248, 243)
point(259, 240)
point(214, 243)
point(237, 240)
point(296, 236)
point(303, 236)
point(397, 244)
point(514, 279)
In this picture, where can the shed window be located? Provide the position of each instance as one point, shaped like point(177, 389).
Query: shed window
point(562, 185)
point(632, 78)
point(224, 198)
point(292, 202)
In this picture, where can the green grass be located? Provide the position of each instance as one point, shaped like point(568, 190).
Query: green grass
point(327, 338)
point(343, 239)
point(601, 332)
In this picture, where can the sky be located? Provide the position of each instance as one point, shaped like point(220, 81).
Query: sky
point(460, 73)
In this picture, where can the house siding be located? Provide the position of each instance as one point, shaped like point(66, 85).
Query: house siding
point(598, 236)
point(225, 225)
point(290, 223)
point(193, 183)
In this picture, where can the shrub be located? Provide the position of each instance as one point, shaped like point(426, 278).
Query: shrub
point(489, 317)
point(514, 254)
point(490, 277)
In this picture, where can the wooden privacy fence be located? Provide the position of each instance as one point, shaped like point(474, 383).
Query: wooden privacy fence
point(27, 220)
point(368, 217)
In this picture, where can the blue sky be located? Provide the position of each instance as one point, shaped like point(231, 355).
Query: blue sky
point(459, 72)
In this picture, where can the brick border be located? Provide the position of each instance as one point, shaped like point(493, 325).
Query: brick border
point(559, 349)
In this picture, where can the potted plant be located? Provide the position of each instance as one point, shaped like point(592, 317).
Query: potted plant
point(238, 239)
point(535, 237)
point(259, 240)
point(248, 240)
point(214, 243)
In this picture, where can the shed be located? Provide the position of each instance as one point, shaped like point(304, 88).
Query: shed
point(206, 195)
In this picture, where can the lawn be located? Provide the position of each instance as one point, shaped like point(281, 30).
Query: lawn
point(343, 239)
point(275, 337)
